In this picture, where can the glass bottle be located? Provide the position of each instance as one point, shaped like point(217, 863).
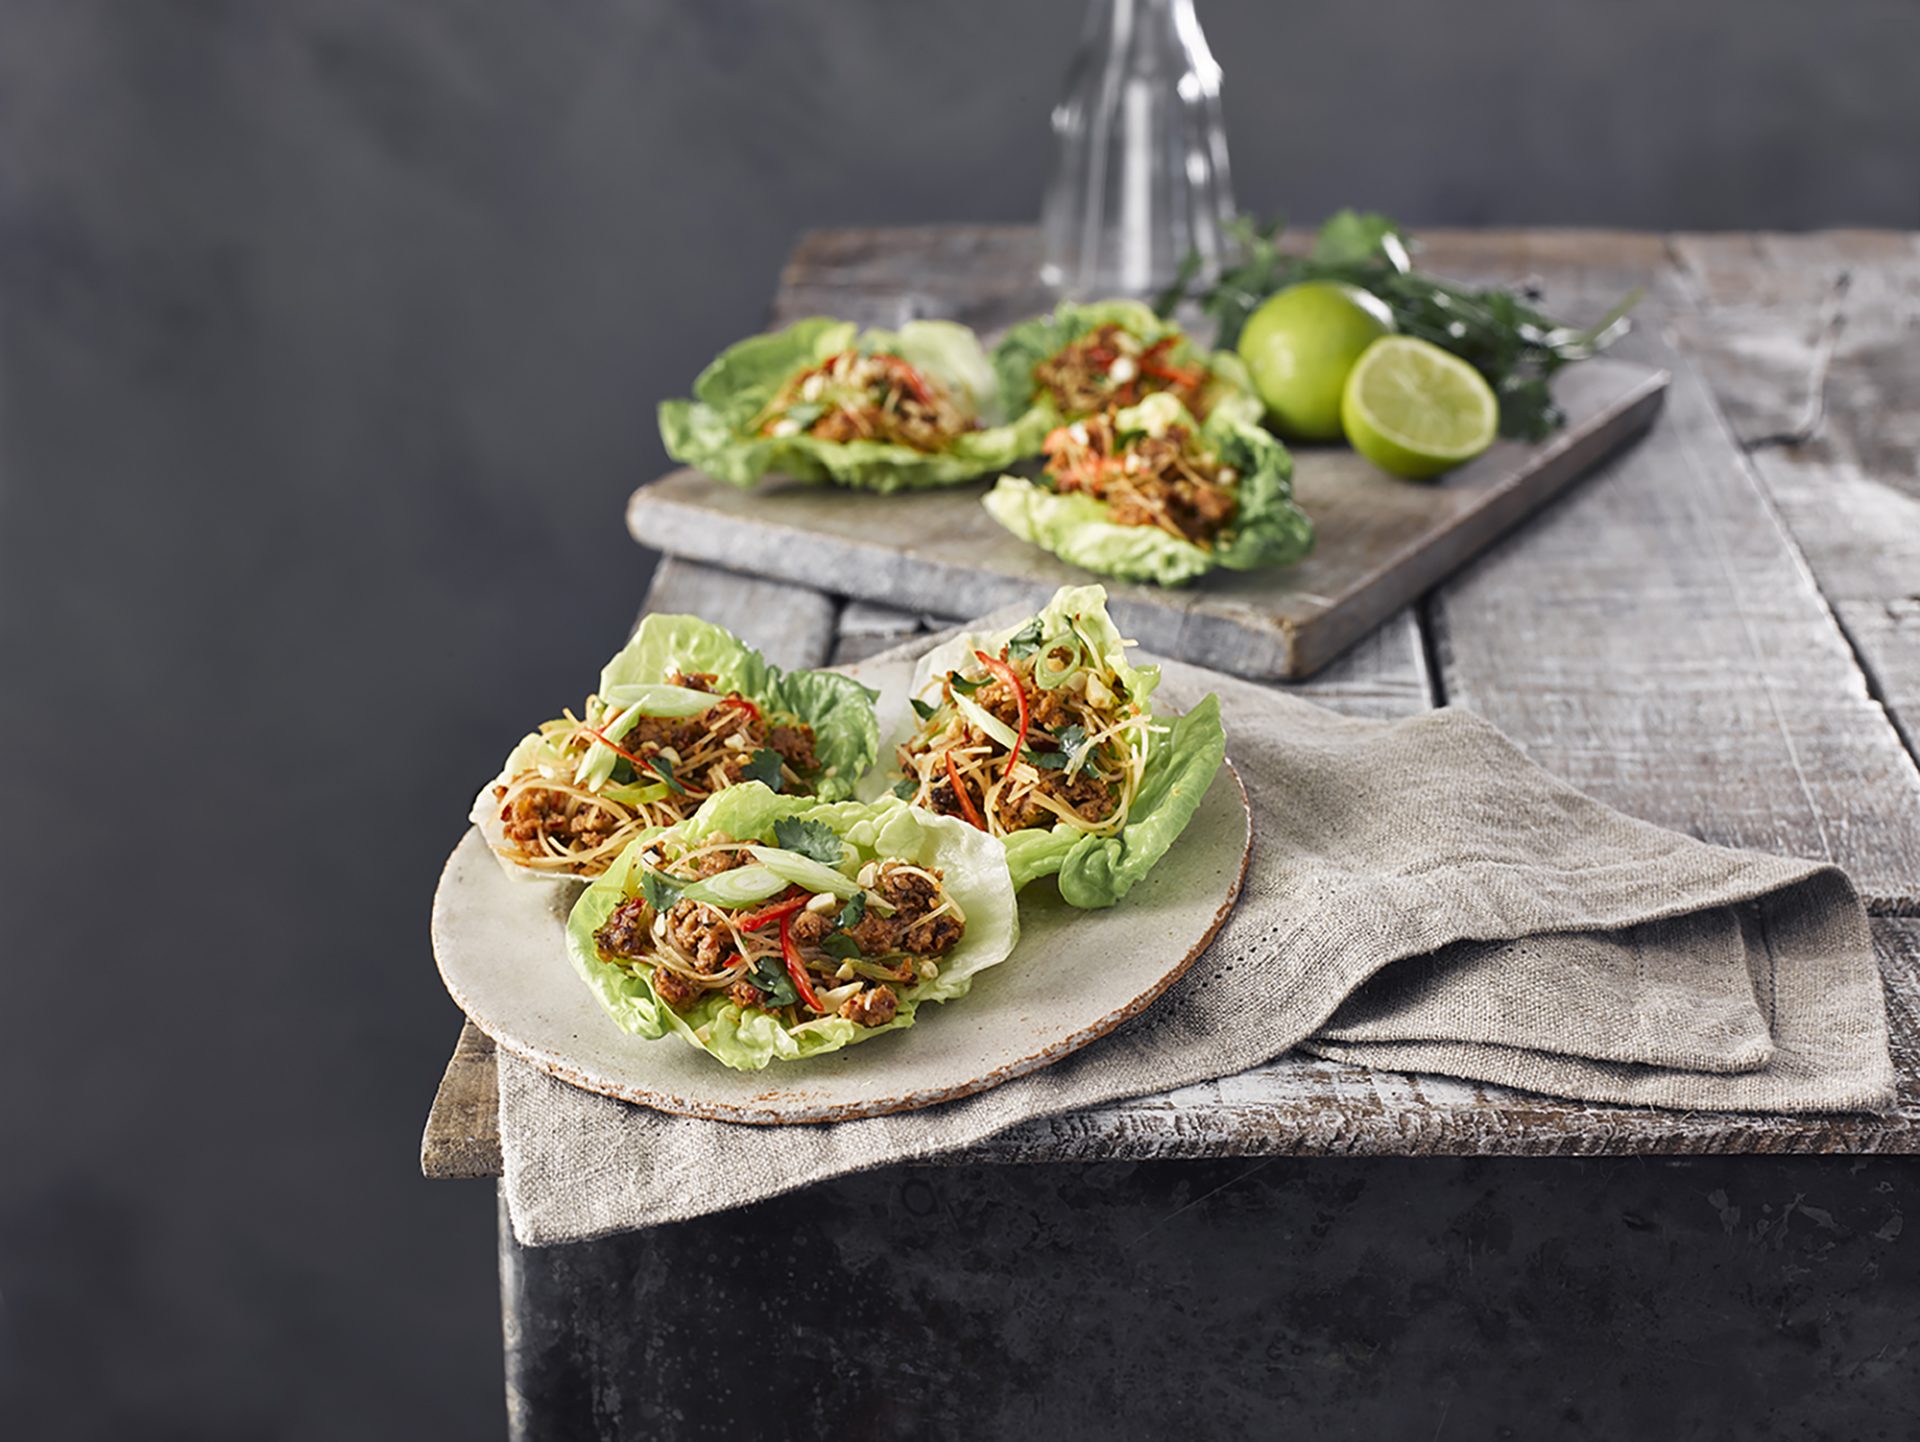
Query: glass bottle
point(1140, 172)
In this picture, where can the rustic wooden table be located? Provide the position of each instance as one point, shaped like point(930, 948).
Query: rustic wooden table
point(1718, 631)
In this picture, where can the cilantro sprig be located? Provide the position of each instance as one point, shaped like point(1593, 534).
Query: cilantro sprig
point(660, 890)
point(814, 840)
point(774, 983)
point(764, 767)
point(663, 768)
point(1070, 756)
point(1501, 333)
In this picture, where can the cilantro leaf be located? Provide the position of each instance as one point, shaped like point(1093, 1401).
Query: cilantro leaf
point(906, 788)
point(812, 839)
point(923, 710)
point(853, 911)
point(764, 768)
point(841, 947)
point(1073, 741)
point(1025, 641)
point(660, 890)
point(663, 768)
point(963, 685)
point(776, 987)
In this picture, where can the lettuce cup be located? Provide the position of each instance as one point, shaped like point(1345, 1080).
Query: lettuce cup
point(823, 400)
point(683, 712)
point(1146, 493)
point(1042, 736)
point(1081, 360)
point(770, 928)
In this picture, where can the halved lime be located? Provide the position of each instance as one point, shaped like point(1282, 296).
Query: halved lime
point(1415, 410)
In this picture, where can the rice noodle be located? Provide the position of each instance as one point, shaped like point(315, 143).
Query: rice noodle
point(698, 774)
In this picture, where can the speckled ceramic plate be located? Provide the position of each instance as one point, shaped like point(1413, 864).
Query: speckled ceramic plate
point(1075, 976)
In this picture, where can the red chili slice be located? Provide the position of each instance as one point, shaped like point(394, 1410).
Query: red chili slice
point(795, 967)
point(779, 911)
point(967, 808)
point(618, 749)
point(910, 378)
point(741, 703)
point(1006, 673)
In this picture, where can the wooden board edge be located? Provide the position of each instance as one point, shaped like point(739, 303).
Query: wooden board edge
point(461, 1141)
point(847, 567)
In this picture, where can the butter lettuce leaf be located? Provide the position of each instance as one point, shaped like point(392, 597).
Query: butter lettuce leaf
point(1183, 754)
point(1229, 389)
point(973, 868)
point(838, 708)
point(846, 738)
point(1268, 528)
point(716, 430)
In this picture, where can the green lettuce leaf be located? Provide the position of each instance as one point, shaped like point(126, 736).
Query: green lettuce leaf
point(846, 737)
point(1269, 529)
point(715, 430)
point(972, 865)
point(1098, 871)
point(1228, 392)
point(838, 708)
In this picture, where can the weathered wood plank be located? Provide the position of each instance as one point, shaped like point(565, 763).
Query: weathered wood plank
point(1657, 641)
point(1299, 1106)
point(1812, 345)
point(462, 1139)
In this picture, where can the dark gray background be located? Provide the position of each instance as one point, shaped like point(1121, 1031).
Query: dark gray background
point(330, 332)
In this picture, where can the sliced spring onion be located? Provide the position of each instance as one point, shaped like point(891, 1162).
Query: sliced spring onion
point(803, 871)
point(743, 886)
point(657, 699)
point(598, 763)
point(987, 722)
point(637, 795)
point(873, 971)
point(1049, 673)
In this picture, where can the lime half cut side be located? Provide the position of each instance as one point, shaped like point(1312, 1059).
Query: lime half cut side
point(1415, 411)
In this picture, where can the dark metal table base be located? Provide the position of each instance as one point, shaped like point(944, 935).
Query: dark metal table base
point(1739, 1296)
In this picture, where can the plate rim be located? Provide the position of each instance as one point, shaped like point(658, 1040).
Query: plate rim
point(747, 1115)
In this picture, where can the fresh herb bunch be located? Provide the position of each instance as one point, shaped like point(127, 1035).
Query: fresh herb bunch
point(1498, 332)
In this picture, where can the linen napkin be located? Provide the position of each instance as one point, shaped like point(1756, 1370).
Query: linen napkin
point(1421, 897)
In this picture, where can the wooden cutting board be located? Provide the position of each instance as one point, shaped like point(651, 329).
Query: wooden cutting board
point(1382, 542)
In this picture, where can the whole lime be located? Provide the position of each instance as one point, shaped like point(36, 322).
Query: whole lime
point(1299, 346)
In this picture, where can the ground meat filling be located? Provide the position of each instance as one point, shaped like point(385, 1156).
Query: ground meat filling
point(536, 812)
point(907, 924)
point(876, 1006)
point(1109, 368)
point(702, 754)
point(1015, 807)
point(857, 397)
point(912, 927)
point(1169, 481)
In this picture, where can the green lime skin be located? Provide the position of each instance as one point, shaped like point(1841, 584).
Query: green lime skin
point(1416, 411)
point(1299, 346)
